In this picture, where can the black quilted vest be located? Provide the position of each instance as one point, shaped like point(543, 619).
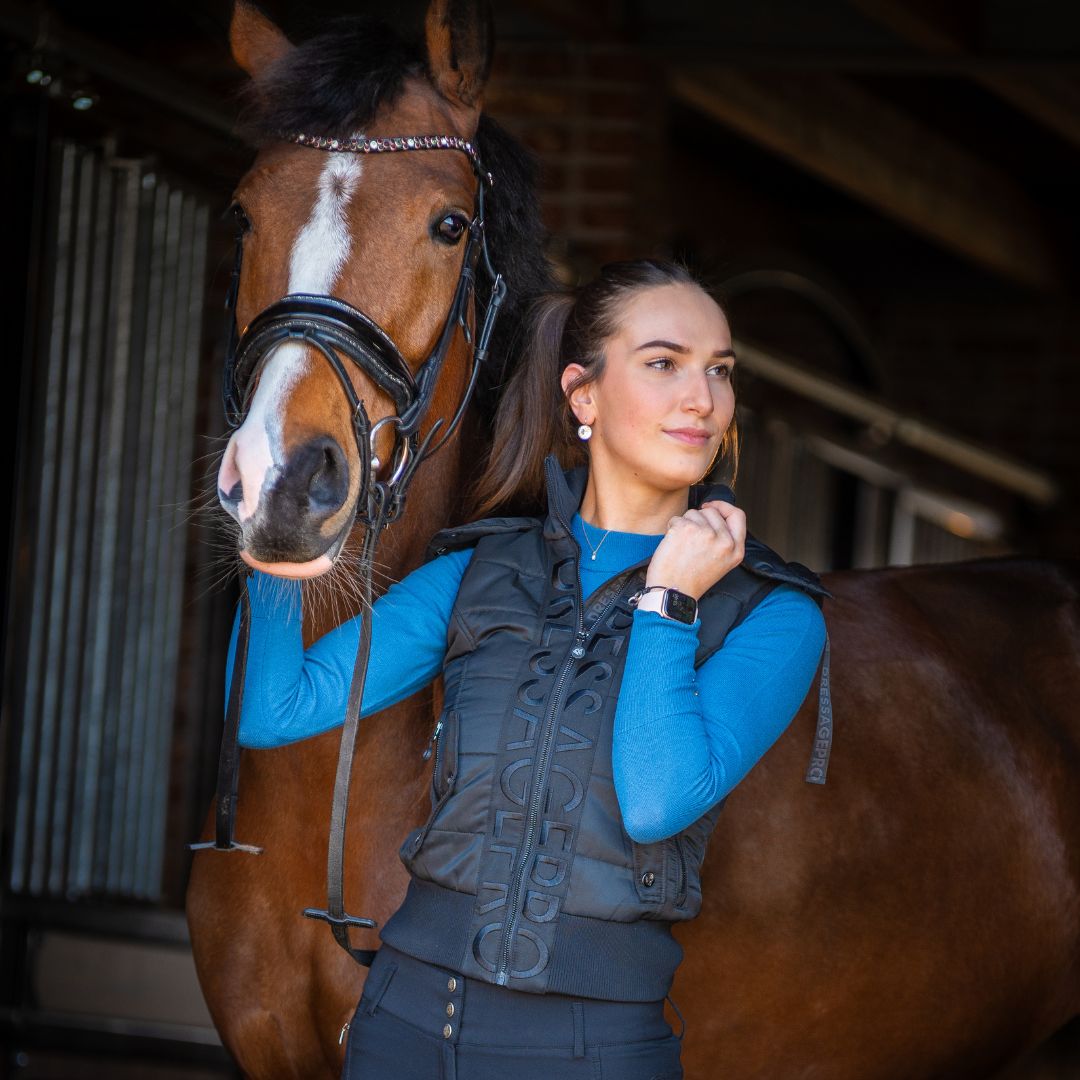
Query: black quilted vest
point(523, 874)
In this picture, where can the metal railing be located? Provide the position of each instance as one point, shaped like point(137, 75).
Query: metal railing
point(107, 484)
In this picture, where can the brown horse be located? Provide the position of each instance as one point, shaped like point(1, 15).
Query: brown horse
point(917, 916)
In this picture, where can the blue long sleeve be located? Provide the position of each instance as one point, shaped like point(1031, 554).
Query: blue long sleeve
point(290, 693)
point(682, 739)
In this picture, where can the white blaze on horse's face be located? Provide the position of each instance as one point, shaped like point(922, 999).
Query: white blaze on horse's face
point(256, 454)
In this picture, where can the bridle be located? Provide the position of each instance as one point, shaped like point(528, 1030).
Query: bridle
point(335, 329)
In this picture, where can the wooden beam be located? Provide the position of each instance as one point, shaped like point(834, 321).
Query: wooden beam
point(887, 159)
point(1050, 97)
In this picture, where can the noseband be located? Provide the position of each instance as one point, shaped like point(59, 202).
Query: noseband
point(335, 329)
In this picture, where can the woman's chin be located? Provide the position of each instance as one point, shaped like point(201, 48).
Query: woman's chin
point(294, 570)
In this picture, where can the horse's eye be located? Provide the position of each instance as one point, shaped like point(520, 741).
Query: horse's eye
point(451, 228)
point(243, 223)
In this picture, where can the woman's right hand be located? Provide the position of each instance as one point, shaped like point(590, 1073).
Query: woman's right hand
point(699, 548)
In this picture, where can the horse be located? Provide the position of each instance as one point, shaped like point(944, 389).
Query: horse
point(915, 916)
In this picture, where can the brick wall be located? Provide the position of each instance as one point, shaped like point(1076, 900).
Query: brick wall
point(594, 120)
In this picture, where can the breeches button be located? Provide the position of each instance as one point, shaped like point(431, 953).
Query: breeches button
point(449, 1008)
point(447, 1031)
point(451, 984)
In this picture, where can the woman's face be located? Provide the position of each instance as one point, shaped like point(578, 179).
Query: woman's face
point(664, 399)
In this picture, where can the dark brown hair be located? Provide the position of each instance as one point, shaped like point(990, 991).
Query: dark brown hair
point(534, 417)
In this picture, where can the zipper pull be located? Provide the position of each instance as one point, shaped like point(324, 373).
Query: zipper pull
point(578, 651)
point(431, 742)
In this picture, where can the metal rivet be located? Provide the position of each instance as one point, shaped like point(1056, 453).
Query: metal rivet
point(447, 1031)
point(449, 1008)
point(648, 878)
point(451, 984)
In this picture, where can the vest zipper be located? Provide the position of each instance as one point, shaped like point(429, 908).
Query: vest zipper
point(577, 651)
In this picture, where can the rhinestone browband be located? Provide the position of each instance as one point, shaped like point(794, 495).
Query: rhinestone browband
point(361, 144)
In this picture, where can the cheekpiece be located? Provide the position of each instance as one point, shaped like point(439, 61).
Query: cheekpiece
point(361, 144)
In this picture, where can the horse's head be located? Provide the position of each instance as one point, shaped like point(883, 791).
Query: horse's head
point(387, 233)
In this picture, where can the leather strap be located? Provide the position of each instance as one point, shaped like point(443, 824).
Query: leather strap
point(229, 758)
point(334, 913)
point(819, 757)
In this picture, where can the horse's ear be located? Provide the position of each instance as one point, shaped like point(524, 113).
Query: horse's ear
point(460, 43)
point(256, 42)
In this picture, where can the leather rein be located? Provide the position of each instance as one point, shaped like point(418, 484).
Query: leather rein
point(335, 329)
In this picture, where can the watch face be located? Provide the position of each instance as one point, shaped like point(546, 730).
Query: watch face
point(679, 606)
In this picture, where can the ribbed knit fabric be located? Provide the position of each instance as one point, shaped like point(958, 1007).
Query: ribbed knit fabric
point(682, 738)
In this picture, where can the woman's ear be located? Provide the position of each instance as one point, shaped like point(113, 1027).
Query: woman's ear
point(580, 397)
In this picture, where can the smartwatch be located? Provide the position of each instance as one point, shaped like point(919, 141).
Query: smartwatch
point(674, 605)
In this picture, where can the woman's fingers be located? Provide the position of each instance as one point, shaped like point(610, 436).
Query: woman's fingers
point(733, 518)
point(699, 548)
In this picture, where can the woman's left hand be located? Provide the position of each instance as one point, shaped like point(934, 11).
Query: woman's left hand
point(699, 548)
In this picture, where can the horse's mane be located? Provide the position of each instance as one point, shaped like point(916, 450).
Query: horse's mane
point(333, 84)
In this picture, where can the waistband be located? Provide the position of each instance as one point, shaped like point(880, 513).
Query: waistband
point(447, 1005)
point(593, 958)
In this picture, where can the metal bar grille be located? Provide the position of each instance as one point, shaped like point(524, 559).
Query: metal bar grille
point(786, 486)
point(126, 253)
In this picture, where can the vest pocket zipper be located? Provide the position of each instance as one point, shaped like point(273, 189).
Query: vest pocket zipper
point(441, 788)
point(443, 744)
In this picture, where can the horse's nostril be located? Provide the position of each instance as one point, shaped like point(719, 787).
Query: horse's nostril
point(322, 478)
point(328, 480)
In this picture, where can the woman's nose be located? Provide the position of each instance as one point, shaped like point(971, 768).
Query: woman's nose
point(699, 398)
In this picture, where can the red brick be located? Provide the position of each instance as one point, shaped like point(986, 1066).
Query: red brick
point(615, 104)
point(543, 99)
point(555, 62)
point(619, 65)
point(608, 177)
point(613, 142)
point(604, 216)
point(544, 138)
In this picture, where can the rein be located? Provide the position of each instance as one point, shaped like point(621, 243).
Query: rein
point(335, 329)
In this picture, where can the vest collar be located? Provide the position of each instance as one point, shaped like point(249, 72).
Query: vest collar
point(566, 489)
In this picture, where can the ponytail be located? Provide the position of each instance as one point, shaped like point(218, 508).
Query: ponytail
point(532, 419)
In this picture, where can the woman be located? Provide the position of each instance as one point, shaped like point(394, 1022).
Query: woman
point(579, 768)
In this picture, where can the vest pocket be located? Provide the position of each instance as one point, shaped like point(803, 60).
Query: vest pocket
point(443, 745)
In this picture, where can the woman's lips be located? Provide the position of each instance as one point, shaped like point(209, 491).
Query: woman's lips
point(690, 436)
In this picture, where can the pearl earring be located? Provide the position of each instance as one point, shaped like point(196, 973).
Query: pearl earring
point(584, 432)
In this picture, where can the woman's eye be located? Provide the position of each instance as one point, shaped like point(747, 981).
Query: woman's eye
point(451, 228)
point(661, 363)
point(723, 370)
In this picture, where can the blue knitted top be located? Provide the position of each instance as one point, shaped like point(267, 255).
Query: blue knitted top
point(682, 738)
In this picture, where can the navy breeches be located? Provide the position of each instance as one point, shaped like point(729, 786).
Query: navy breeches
point(416, 1021)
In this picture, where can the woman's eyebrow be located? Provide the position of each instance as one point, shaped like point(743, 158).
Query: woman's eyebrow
point(660, 344)
point(677, 348)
